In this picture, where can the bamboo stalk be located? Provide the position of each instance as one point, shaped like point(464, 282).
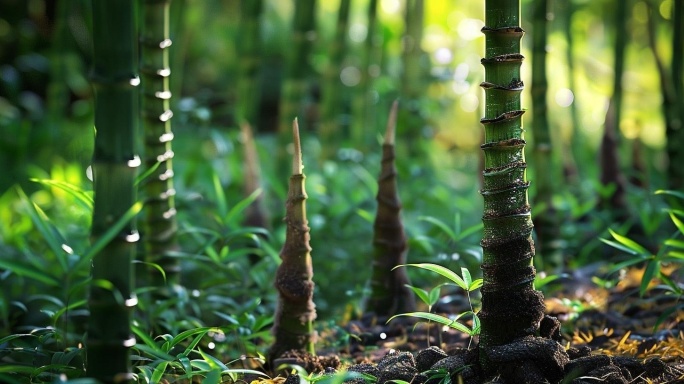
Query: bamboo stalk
point(293, 323)
point(611, 173)
point(115, 163)
point(248, 47)
point(414, 74)
point(334, 90)
point(546, 223)
point(298, 67)
point(511, 307)
point(160, 227)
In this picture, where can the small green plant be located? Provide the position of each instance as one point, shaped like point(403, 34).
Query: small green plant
point(670, 252)
point(430, 298)
point(172, 355)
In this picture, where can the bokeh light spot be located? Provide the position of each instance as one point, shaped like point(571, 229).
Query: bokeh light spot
point(564, 97)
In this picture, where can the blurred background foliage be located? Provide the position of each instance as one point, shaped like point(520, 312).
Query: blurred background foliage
point(230, 63)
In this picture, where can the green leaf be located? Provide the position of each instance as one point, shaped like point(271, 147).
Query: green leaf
point(213, 362)
point(222, 205)
point(212, 377)
point(148, 172)
point(625, 264)
point(449, 274)
point(542, 281)
point(82, 197)
point(421, 293)
point(110, 234)
point(677, 222)
point(29, 271)
point(439, 224)
point(467, 279)
point(677, 194)
point(15, 336)
point(476, 284)
point(65, 309)
point(16, 369)
point(159, 371)
point(153, 265)
point(669, 283)
point(674, 243)
point(667, 313)
point(676, 254)
point(241, 206)
point(476, 325)
point(469, 231)
point(434, 295)
point(437, 319)
point(620, 247)
point(50, 233)
point(652, 267)
point(629, 243)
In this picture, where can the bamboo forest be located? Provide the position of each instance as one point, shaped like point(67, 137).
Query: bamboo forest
point(342, 191)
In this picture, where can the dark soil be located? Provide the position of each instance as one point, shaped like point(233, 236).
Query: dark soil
point(613, 342)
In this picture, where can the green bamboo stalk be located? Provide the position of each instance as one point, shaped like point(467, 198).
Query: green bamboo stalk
point(298, 68)
point(160, 227)
point(115, 163)
point(334, 91)
point(611, 173)
point(362, 101)
point(569, 157)
point(248, 48)
point(389, 293)
point(293, 323)
point(546, 223)
point(676, 136)
point(413, 76)
point(511, 307)
point(668, 94)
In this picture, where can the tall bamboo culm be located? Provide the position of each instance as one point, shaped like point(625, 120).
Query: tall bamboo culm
point(115, 163)
point(160, 227)
point(511, 307)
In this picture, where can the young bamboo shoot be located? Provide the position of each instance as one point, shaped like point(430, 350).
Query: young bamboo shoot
point(389, 294)
point(293, 323)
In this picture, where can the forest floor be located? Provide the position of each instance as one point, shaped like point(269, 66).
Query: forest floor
point(607, 333)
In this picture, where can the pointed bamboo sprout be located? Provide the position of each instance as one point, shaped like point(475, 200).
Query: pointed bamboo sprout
point(255, 215)
point(293, 323)
point(389, 293)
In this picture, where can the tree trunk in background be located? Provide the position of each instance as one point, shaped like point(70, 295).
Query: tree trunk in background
point(362, 103)
point(294, 91)
point(675, 136)
point(667, 91)
point(611, 174)
point(570, 170)
point(249, 61)
point(546, 223)
point(293, 322)
point(115, 163)
point(334, 91)
point(413, 74)
point(389, 293)
point(511, 307)
point(160, 228)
